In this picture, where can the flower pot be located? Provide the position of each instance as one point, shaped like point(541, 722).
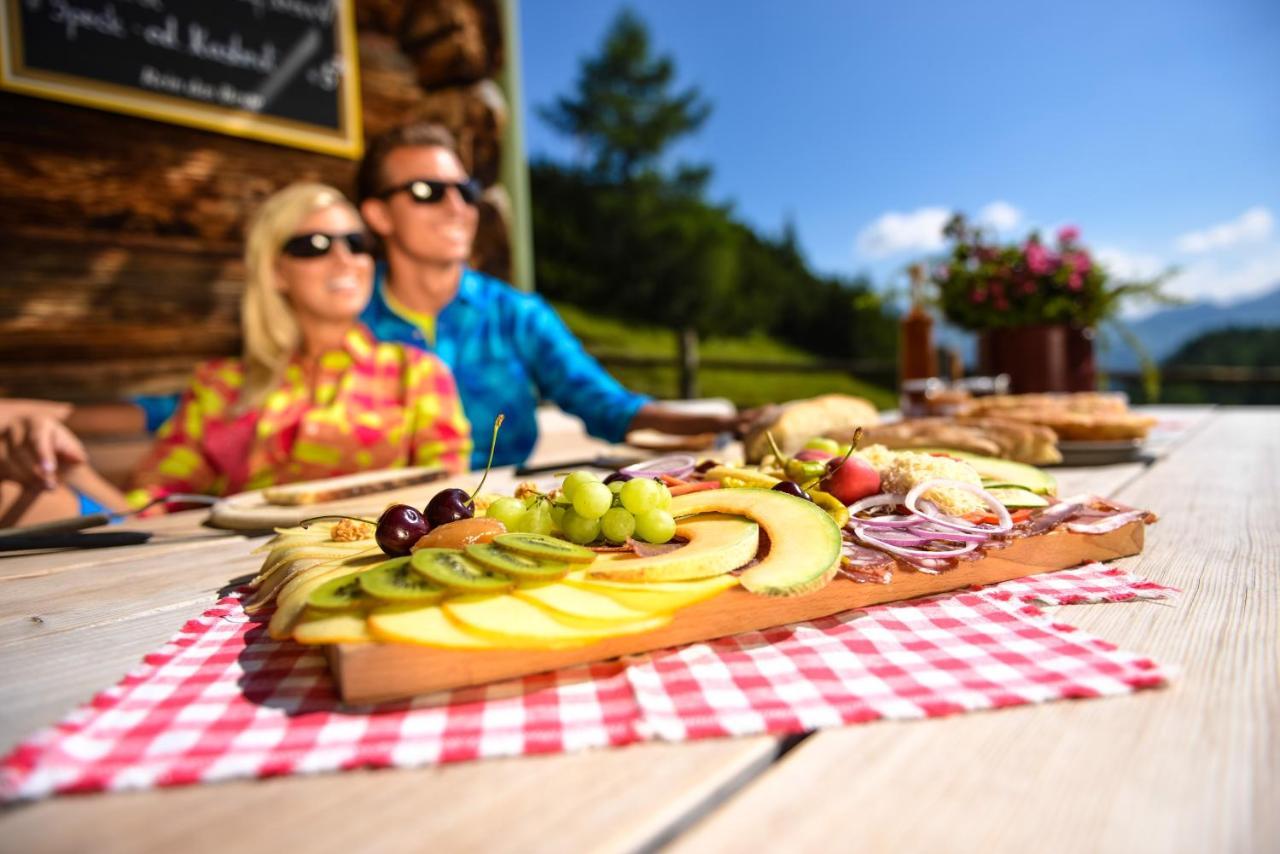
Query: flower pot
point(1040, 358)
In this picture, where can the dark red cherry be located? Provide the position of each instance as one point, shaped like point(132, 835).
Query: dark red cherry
point(399, 527)
point(792, 488)
point(448, 505)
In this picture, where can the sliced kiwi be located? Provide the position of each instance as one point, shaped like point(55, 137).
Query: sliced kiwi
point(449, 568)
point(342, 592)
point(521, 567)
point(544, 547)
point(395, 581)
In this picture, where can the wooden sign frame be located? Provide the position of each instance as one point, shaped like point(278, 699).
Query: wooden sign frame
point(347, 141)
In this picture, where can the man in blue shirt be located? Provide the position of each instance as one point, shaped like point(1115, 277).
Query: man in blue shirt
point(507, 349)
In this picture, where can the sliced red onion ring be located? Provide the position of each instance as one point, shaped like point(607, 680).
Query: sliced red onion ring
point(871, 538)
point(938, 532)
point(676, 465)
point(884, 499)
point(1107, 523)
point(895, 536)
point(863, 556)
point(913, 500)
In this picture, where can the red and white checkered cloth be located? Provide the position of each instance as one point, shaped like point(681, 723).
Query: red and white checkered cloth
point(221, 700)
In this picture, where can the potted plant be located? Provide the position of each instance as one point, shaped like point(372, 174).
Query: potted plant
point(1036, 307)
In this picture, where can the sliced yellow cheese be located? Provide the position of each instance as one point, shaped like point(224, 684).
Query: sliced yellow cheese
point(425, 625)
point(578, 604)
point(320, 627)
point(518, 624)
point(657, 596)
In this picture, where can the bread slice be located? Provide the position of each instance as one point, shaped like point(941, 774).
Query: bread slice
point(801, 420)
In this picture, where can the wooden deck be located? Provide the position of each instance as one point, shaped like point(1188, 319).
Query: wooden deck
point(1194, 767)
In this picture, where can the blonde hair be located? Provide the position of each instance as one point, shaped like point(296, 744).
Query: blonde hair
point(271, 333)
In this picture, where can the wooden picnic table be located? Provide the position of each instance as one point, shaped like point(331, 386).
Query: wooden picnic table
point(1193, 767)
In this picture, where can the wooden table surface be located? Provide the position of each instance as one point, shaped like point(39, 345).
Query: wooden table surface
point(1194, 767)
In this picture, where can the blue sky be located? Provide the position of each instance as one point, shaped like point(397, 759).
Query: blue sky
point(1154, 126)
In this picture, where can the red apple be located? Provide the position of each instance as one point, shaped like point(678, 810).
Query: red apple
point(809, 454)
point(850, 482)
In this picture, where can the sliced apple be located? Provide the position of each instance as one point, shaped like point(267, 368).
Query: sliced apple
point(425, 625)
point(292, 598)
point(517, 624)
point(717, 545)
point(804, 541)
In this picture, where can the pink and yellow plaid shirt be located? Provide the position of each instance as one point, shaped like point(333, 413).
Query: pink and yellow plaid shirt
point(368, 405)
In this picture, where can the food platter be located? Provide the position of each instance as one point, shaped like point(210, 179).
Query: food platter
point(373, 672)
point(473, 589)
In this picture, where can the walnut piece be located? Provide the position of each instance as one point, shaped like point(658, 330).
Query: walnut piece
point(349, 530)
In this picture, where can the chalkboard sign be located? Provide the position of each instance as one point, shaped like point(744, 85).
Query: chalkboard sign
point(279, 70)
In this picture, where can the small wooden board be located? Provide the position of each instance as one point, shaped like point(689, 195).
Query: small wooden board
point(373, 672)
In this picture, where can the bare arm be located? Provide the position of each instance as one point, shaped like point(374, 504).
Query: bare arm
point(664, 419)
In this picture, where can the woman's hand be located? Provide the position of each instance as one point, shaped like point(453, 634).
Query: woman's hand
point(34, 448)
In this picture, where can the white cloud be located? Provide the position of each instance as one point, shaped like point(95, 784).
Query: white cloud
point(893, 232)
point(1251, 226)
point(1000, 215)
point(1129, 265)
point(1229, 281)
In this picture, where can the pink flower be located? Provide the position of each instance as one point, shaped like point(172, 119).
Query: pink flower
point(1074, 281)
point(1028, 287)
point(1068, 234)
point(978, 296)
point(1081, 261)
point(1039, 260)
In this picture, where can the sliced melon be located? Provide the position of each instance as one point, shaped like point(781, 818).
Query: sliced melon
point(657, 597)
point(804, 541)
point(717, 545)
point(425, 625)
point(516, 624)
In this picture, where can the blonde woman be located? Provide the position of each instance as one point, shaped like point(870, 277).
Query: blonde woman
point(314, 394)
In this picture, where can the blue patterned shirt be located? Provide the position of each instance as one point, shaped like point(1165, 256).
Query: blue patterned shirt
point(508, 350)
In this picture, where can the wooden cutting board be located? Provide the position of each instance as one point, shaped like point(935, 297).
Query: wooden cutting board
point(373, 672)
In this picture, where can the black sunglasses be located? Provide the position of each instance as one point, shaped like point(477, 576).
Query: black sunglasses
point(425, 191)
point(318, 243)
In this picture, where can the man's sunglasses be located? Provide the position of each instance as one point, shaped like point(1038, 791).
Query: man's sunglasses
point(318, 243)
point(427, 192)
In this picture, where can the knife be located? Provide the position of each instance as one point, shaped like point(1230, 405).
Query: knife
point(73, 540)
point(600, 462)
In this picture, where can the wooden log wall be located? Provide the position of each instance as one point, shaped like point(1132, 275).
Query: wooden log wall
point(120, 261)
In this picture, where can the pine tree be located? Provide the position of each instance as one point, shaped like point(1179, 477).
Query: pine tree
point(623, 110)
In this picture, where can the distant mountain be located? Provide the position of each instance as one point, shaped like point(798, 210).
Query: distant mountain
point(1165, 331)
point(1161, 333)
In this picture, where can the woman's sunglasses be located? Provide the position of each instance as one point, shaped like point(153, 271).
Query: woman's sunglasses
point(318, 243)
point(427, 192)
